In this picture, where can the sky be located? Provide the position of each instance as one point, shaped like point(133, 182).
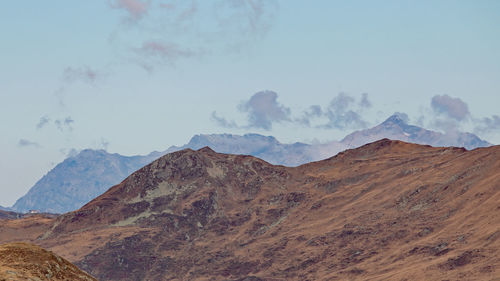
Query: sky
point(134, 76)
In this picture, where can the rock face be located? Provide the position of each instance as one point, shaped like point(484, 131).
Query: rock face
point(21, 261)
point(388, 210)
point(79, 179)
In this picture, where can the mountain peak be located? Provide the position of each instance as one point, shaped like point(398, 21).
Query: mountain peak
point(206, 150)
point(395, 119)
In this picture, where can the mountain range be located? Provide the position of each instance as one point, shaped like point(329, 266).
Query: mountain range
point(80, 178)
point(388, 210)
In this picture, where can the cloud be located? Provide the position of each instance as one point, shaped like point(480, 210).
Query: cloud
point(64, 124)
point(313, 112)
point(104, 144)
point(487, 125)
point(82, 74)
point(181, 29)
point(263, 110)
point(223, 122)
point(343, 112)
point(71, 74)
point(28, 143)
point(135, 9)
point(155, 52)
point(252, 17)
point(365, 102)
point(69, 152)
point(451, 107)
point(44, 120)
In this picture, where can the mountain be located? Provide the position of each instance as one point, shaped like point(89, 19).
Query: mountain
point(396, 128)
point(79, 179)
point(21, 261)
point(83, 177)
point(388, 210)
point(9, 215)
point(4, 209)
point(267, 148)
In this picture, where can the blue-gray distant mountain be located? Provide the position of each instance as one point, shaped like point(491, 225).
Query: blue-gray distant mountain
point(79, 179)
point(396, 128)
point(83, 177)
point(4, 209)
point(265, 147)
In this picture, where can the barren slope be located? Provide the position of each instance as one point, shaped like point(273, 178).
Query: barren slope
point(21, 261)
point(385, 211)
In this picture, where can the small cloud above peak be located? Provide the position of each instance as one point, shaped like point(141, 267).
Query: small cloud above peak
point(451, 107)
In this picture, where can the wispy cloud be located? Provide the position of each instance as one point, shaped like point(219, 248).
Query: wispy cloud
point(44, 120)
point(223, 122)
point(81, 73)
point(153, 53)
point(28, 143)
point(365, 102)
point(76, 74)
point(135, 9)
point(175, 29)
point(64, 124)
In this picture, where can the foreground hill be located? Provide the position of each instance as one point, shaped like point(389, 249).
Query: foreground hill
point(21, 261)
point(87, 175)
point(388, 210)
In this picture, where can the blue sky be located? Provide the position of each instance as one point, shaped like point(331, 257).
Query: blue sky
point(135, 76)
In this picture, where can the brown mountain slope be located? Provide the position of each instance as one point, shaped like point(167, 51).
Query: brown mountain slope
point(385, 211)
point(21, 261)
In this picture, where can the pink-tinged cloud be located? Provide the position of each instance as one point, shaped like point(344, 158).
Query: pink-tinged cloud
point(161, 52)
point(135, 8)
point(83, 74)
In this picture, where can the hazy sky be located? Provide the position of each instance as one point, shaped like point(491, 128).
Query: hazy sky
point(135, 76)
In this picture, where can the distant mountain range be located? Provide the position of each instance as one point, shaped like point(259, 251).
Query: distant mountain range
point(264, 147)
point(81, 178)
point(396, 128)
point(5, 209)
